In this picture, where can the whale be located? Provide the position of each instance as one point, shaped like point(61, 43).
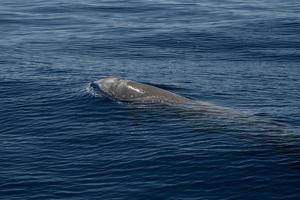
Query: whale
point(123, 90)
point(269, 132)
point(129, 91)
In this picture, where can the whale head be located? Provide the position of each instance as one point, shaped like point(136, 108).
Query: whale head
point(107, 84)
point(119, 89)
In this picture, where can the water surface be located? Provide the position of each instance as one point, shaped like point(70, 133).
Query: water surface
point(57, 141)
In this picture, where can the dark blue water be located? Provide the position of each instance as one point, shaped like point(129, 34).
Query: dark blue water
point(59, 141)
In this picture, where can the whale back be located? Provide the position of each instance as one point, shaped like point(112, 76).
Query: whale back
point(131, 91)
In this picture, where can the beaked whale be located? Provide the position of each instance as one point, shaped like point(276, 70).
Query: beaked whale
point(270, 132)
point(130, 91)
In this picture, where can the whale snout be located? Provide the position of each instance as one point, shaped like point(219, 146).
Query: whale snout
point(105, 84)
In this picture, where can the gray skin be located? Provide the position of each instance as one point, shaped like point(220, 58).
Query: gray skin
point(131, 91)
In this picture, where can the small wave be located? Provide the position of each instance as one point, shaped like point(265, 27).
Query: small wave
point(93, 91)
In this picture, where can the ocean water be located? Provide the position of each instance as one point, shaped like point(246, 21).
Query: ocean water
point(58, 140)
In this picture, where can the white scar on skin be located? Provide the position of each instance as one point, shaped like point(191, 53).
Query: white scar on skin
point(135, 89)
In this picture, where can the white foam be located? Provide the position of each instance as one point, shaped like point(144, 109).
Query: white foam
point(90, 90)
